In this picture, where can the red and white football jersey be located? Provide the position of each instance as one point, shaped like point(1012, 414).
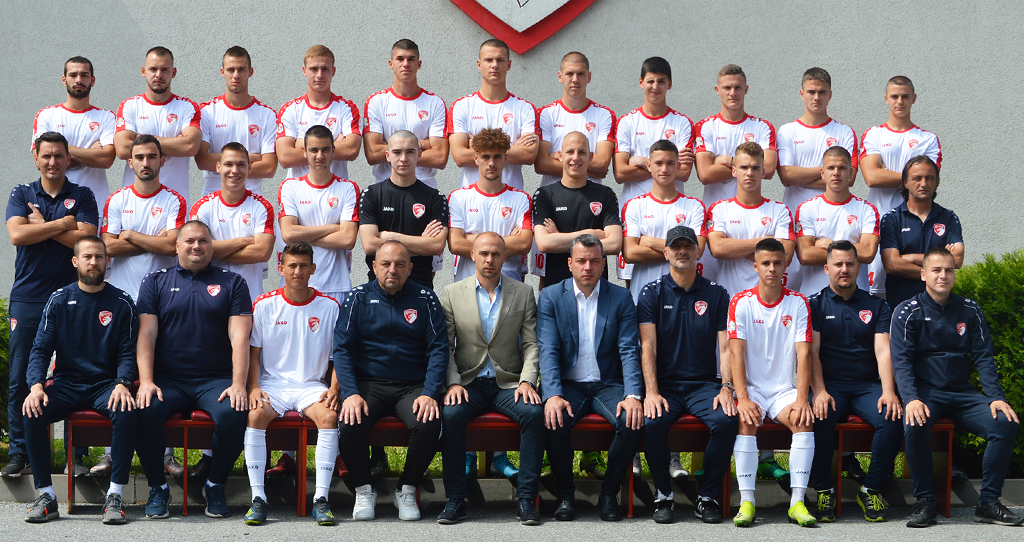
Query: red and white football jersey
point(846, 221)
point(475, 212)
point(555, 121)
point(318, 206)
point(721, 137)
point(648, 216)
point(247, 218)
point(126, 209)
point(296, 339)
point(636, 133)
point(254, 126)
point(514, 116)
point(341, 116)
point(425, 115)
point(166, 119)
point(738, 221)
point(82, 129)
point(771, 332)
point(801, 145)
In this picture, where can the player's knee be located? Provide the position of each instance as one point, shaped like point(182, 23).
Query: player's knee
point(328, 419)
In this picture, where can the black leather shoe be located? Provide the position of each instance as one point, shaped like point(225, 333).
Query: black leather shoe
point(663, 511)
point(923, 514)
point(566, 510)
point(526, 512)
point(609, 507)
point(708, 510)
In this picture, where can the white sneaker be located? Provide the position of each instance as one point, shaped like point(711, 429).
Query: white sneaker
point(405, 502)
point(366, 501)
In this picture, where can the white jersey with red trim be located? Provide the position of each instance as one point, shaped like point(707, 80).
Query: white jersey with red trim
point(721, 137)
point(474, 212)
point(738, 221)
point(514, 116)
point(314, 205)
point(126, 209)
point(247, 218)
point(296, 338)
point(82, 129)
point(648, 216)
point(846, 221)
point(254, 126)
point(425, 115)
point(555, 121)
point(341, 116)
point(166, 119)
point(771, 332)
point(801, 145)
point(636, 133)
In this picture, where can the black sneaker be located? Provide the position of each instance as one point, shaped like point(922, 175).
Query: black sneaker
point(958, 476)
point(156, 506)
point(201, 469)
point(708, 510)
point(322, 512)
point(42, 510)
point(378, 464)
point(923, 514)
point(853, 469)
point(17, 465)
point(663, 511)
point(453, 510)
point(874, 506)
point(216, 503)
point(527, 513)
point(113, 510)
point(995, 512)
point(826, 511)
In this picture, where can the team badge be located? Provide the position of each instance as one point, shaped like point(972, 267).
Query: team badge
point(156, 211)
point(940, 229)
point(700, 307)
point(314, 323)
point(507, 118)
point(120, 122)
point(332, 202)
point(732, 325)
point(246, 219)
point(787, 321)
point(595, 207)
point(766, 221)
point(331, 121)
point(424, 115)
point(93, 126)
point(912, 143)
point(865, 316)
point(214, 289)
point(831, 141)
point(103, 223)
point(797, 228)
point(280, 129)
point(698, 141)
point(520, 23)
point(709, 225)
point(748, 136)
point(106, 317)
point(961, 328)
point(591, 126)
point(670, 133)
point(69, 203)
point(680, 218)
point(254, 131)
point(14, 323)
point(418, 209)
point(506, 212)
point(410, 315)
point(172, 118)
point(851, 219)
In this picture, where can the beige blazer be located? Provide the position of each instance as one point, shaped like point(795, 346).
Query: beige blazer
point(517, 318)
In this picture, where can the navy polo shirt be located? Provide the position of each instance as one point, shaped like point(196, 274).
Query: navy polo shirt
point(193, 312)
point(687, 322)
point(905, 232)
point(41, 268)
point(848, 328)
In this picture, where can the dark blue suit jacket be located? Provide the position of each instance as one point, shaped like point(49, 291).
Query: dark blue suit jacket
point(616, 337)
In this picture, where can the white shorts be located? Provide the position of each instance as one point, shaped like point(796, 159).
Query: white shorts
point(622, 269)
point(537, 260)
point(774, 403)
point(285, 398)
point(437, 263)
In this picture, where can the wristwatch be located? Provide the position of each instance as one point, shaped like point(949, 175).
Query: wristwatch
point(633, 396)
point(124, 382)
point(729, 385)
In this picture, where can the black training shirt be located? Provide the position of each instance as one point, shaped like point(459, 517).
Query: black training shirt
point(593, 206)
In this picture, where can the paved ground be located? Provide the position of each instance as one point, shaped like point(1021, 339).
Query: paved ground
point(491, 523)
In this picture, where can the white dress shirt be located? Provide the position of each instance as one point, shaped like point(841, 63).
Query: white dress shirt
point(586, 369)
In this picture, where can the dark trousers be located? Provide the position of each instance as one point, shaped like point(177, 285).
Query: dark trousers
point(860, 399)
point(385, 397)
point(485, 395)
point(186, 395)
point(65, 398)
point(601, 399)
point(28, 316)
point(697, 399)
point(970, 411)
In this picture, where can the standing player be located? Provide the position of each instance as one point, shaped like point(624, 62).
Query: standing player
point(769, 329)
point(89, 130)
point(319, 105)
point(406, 106)
point(836, 215)
point(717, 136)
point(885, 150)
point(173, 119)
point(490, 205)
point(236, 116)
point(289, 352)
point(493, 106)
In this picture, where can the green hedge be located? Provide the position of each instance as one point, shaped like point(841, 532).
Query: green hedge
point(998, 287)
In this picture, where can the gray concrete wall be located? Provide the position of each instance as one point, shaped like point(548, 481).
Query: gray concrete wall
point(963, 57)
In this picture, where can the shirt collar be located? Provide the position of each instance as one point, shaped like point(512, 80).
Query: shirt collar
point(698, 283)
point(186, 273)
point(857, 295)
point(577, 293)
point(38, 187)
point(496, 288)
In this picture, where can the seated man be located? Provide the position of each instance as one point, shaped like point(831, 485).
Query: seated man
point(589, 360)
point(936, 337)
point(769, 328)
point(288, 359)
point(390, 356)
point(92, 326)
point(488, 318)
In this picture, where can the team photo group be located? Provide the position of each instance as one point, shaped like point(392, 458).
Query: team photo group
point(141, 304)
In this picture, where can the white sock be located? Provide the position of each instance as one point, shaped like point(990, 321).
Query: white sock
point(208, 453)
point(801, 454)
point(106, 451)
point(745, 452)
point(326, 451)
point(255, 442)
point(49, 491)
point(116, 488)
point(864, 489)
point(165, 486)
point(766, 455)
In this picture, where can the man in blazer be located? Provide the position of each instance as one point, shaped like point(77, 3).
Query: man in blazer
point(589, 360)
point(489, 318)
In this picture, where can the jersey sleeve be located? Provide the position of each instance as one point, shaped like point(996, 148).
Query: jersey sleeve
point(766, 138)
point(148, 300)
point(456, 210)
point(264, 219)
point(697, 221)
point(722, 314)
point(529, 114)
point(439, 208)
point(125, 117)
point(737, 326)
point(526, 223)
point(606, 128)
point(716, 218)
point(785, 144)
point(871, 221)
point(176, 216)
point(890, 232)
point(701, 134)
point(849, 142)
point(784, 224)
point(205, 125)
point(610, 209)
point(647, 305)
point(16, 205)
point(256, 338)
point(372, 121)
point(883, 320)
point(869, 143)
point(438, 119)
point(802, 320)
point(803, 224)
point(111, 221)
point(350, 120)
point(286, 199)
point(623, 133)
point(350, 209)
point(286, 122)
point(954, 230)
point(545, 124)
point(368, 207)
point(197, 213)
point(816, 314)
point(457, 118)
point(631, 218)
point(241, 301)
point(541, 207)
point(40, 125)
point(195, 117)
point(902, 350)
point(934, 151)
point(88, 213)
point(268, 133)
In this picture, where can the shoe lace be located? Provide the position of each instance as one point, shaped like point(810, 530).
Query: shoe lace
point(876, 502)
point(919, 507)
point(156, 496)
point(451, 505)
point(364, 498)
point(321, 505)
point(408, 499)
point(215, 493)
point(526, 505)
point(824, 499)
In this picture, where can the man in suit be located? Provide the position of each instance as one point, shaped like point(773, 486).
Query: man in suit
point(589, 360)
point(488, 318)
